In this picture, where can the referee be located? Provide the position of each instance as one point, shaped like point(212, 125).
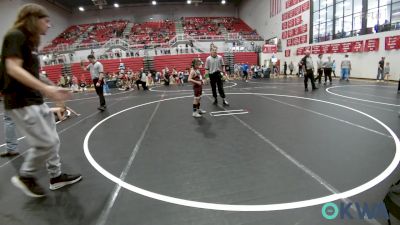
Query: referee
point(214, 66)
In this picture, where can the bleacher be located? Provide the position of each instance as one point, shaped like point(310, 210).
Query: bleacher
point(67, 37)
point(53, 72)
point(105, 31)
point(179, 62)
point(250, 58)
point(152, 32)
point(196, 26)
point(212, 25)
point(110, 66)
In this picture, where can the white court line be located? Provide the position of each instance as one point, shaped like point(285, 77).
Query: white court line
point(236, 110)
point(362, 104)
point(330, 117)
point(359, 93)
point(359, 99)
point(272, 83)
point(59, 132)
point(270, 207)
point(178, 91)
point(95, 97)
point(17, 139)
point(106, 211)
point(229, 114)
point(308, 171)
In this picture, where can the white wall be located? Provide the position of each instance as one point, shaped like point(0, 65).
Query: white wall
point(256, 14)
point(143, 13)
point(9, 10)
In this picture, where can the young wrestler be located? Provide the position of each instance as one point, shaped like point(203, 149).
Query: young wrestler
point(61, 111)
point(196, 79)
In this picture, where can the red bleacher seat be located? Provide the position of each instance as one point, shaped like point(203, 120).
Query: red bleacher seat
point(53, 72)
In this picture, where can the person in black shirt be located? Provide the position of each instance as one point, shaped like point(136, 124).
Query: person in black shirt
point(308, 67)
point(380, 74)
point(23, 101)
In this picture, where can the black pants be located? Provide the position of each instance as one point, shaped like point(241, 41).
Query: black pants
point(319, 77)
point(328, 73)
point(215, 80)
point(398, 88)
point(309, 74)
point(99, 91)
point(143, 84)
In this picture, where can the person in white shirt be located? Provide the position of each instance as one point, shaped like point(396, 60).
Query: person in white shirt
point(346, 68)
point(320, 68)
point(97, 73)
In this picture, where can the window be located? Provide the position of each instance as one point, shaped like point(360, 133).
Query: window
point(357, 6)
point(315, 5)
point(322, 30)
point(348, 25)
point(396, 13)
point(372, 4)
point(322, 4)
point(357, 21)
point(329, 30)
point(339, 28)
point(348, 7)
point(372, 17)
point(344, 18)
point(384, 14)
point(316, 18)
point(322, 16)
point(329, 16)
point(339, 10)
point(315, 33)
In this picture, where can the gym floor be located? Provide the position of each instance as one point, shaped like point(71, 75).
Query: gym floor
point(274, 145)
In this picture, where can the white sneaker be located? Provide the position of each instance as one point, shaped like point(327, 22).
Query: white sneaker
point(200, 111)
point(196, 115)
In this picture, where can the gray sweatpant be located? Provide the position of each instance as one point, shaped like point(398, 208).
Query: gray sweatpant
point(37, 124)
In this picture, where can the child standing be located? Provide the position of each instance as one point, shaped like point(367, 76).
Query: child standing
point(197, 80)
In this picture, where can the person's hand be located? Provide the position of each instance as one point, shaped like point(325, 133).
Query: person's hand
point(57, 93)
point(98, 84)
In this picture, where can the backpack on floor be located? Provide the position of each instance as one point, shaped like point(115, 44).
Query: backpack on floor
point(392, 201)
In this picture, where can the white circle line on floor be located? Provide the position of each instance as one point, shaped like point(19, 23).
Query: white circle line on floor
point(358, 99)
point(178, 91)
point(251, 208)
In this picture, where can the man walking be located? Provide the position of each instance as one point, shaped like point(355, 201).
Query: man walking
point(97, 73)
point(23, 101)
point(308, 67)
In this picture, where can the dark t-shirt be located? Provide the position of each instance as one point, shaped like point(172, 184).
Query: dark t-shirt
point(17, 95)
point(381, 64)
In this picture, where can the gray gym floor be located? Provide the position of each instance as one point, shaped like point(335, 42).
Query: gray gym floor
point(284, 145)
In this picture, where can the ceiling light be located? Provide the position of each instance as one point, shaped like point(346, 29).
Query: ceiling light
point(81, 8)
point(189, 2)
point(116, 5)
point(154, 2)
point(223, 2)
